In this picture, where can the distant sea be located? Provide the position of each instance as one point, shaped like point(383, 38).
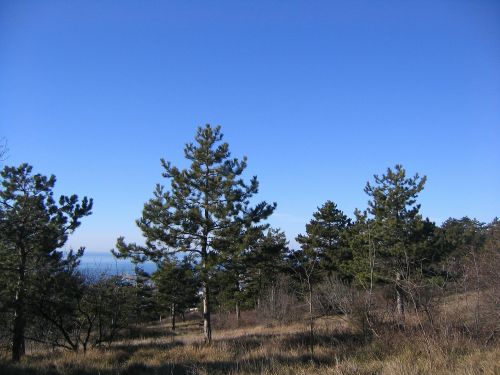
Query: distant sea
point(99, 263)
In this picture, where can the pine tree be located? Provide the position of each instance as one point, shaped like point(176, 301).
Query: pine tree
point(361, 266)
point(264, 263)
point(246, 251)
point(203, 202)
point(234, 245)
point(326, 235)
point(324, 250)
point(456, 236)
point(177, 286)
point(32, 226)
point(145, 304)
point(399, 235)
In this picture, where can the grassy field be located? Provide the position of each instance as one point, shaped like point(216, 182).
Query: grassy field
point(261, 349)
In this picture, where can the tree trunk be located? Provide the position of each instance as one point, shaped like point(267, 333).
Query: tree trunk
point(238, 314)
point(207, 328)
point(18, 343)
point(310, 302)
point(172, 315)
point(237, 305)
point(272, 300)
point(311, 320)
point(399, 297)
point(260, 289)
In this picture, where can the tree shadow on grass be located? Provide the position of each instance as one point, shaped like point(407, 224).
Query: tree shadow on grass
point(333, 340)
point(236, 347)
point(255, 365)
point(131, 347)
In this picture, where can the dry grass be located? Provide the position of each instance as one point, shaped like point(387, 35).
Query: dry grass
point(266, 350)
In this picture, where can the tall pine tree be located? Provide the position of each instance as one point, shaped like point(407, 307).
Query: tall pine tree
point(203, 202)
point(399, 235)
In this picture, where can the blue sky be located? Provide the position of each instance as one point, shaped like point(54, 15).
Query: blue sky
point(319, 95)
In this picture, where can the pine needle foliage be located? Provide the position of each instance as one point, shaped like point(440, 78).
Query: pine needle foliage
point(203, 203)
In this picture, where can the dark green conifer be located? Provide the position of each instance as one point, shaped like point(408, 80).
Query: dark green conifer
point(33, 227)
point(177, 285)
point(203, 202)
point(396, 231)
point(326, 236)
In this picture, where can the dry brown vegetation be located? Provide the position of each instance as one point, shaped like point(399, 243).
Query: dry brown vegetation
point(268, 349)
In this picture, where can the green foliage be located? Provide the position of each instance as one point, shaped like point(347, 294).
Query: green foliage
point(362, 265)
point(204, 203)
point(55, 306)
point(33, 227)
point(251, 259)
point(32, 223)
point(459, 235)
point(324, 251)
point(177, 284)
point(391, 243)
point(400, 237)
point(326, 237)
point(264, 263)
point(145, 304)
point(77, 311)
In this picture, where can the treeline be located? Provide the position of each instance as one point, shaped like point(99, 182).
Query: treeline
point(384, 267)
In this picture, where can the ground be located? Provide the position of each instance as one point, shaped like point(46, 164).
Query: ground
point(266, 349)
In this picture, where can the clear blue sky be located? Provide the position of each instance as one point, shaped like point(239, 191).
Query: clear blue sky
point(320, 95)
